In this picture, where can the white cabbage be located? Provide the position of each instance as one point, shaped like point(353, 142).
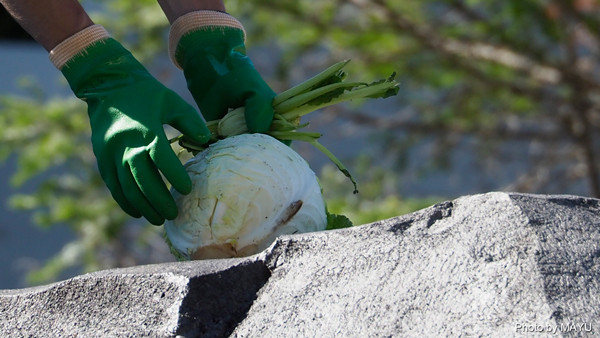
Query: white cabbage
point(247, 190)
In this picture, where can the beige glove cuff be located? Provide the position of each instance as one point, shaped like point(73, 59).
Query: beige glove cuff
point(76, 44)
point(196, 21)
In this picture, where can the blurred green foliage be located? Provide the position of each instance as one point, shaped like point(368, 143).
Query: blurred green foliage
point(377, 200)
point(493, 72)
point(514, 72)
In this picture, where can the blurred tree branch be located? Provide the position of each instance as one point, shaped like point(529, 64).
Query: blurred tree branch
point(499, 132)
point(535, 75)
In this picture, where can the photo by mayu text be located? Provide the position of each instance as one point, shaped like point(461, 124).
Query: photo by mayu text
point(554, 328)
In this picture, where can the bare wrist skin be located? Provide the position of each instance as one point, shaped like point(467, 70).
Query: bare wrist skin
point(176, 8)
point(49, 22)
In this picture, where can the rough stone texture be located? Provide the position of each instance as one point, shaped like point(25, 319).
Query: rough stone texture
point(496, 264)
point(191, 299)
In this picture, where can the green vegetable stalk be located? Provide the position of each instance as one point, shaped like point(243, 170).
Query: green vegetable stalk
point(322, 90)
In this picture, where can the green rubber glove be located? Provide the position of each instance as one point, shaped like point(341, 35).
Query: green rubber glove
point(220, 76)
point(127, 109)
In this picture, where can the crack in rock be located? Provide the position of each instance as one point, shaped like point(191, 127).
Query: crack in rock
point(440, 211)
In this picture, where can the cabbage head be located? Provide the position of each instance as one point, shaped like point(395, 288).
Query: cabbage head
point(247, 190)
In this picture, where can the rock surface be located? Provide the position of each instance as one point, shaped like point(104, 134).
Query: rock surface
point(497, 264)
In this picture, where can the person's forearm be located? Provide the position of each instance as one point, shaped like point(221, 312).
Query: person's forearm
point(49, 22)
point(176, 8)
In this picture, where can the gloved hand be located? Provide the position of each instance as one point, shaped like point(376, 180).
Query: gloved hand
point(127, 109)
point(209, 47)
